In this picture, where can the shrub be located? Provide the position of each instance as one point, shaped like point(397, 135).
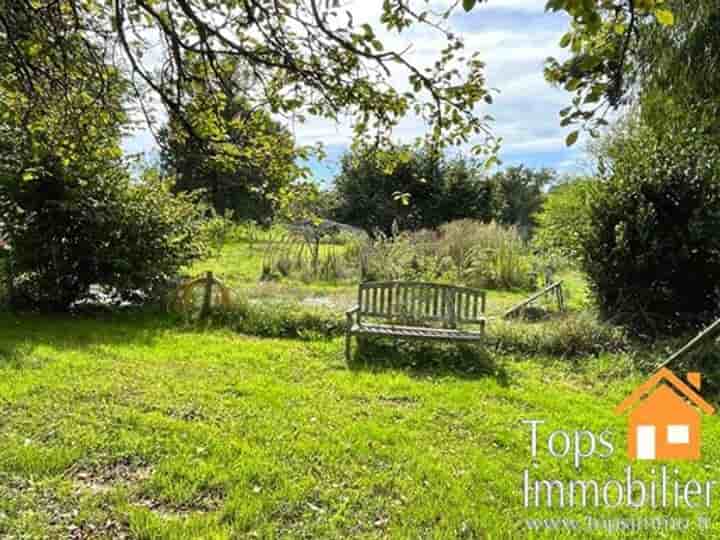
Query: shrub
point(218, 229)
point(486, 255)
point(652, 254)
point(464, 251)
point(67, 234)
point(573, 335)
point(254, 234)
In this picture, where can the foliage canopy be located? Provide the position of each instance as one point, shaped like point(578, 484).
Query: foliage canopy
point(290, 57)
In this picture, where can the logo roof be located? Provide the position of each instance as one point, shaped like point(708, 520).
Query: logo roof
point(664, 374)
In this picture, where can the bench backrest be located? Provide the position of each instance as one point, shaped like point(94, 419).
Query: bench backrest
point(421, 301)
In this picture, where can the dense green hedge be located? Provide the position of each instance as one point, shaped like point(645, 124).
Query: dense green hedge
point(652, 254)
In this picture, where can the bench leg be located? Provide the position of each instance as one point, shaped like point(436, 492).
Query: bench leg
point(348, 342)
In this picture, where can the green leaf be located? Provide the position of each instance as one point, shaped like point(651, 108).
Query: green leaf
point(573, 84)
point(490, 162)
point(469, 4)
point(565, 41)
point(403, 198)
point(665, 17)
point(590, 62)
point(572, 138)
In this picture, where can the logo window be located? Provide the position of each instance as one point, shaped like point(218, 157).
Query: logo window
point(678, 434)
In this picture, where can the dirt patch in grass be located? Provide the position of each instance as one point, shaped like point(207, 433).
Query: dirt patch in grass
point(188, 413)
point(104, 478)
point(206, 502)
point(109, 529)
point(399, 401)
point(58, 514)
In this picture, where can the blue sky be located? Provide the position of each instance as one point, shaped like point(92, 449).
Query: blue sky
point(514, 37)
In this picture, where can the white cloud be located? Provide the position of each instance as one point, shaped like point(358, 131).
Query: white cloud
point(529, 6)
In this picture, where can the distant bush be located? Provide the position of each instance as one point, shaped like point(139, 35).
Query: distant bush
point(219, 229)
point(255, 234)
point(652, 254)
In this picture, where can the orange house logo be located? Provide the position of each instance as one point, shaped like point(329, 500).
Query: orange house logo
point(665, 420)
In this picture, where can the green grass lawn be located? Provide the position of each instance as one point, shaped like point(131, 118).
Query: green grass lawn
point(132, 425)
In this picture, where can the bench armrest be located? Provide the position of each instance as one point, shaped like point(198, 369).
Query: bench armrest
point(349, 314)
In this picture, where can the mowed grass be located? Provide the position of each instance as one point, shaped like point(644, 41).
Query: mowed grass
point(130, 426)
point(135, 425)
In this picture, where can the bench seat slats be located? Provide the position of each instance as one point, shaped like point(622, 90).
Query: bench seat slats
point(415, 332)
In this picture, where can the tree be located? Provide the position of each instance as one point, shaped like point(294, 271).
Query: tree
point(245, 176)
point(466, 192)
point(71, 112)
point(621, 51)
point(307, 56)
point(413, 187)
point(680, 61)
point(375, 195)
point(519, 194)
point(564, 219)
point(71, 215)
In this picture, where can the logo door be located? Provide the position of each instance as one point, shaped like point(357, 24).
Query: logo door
point(645, 442)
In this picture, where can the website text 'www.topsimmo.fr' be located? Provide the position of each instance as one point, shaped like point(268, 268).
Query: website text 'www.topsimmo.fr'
point(617, 525)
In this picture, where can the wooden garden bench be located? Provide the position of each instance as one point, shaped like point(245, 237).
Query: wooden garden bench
point(406, 308)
